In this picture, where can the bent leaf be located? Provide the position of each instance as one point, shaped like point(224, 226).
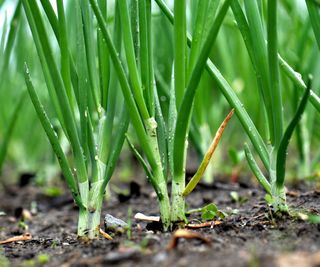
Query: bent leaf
point(256, 170)
point(206, 159)
point(282, 152)
point(52, 136)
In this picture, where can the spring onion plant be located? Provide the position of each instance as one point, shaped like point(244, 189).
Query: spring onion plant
point(309, 53)
point(266, 60)
point(164, 142)
point(83, 91)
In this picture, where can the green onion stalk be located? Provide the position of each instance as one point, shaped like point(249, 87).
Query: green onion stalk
point(163, 139)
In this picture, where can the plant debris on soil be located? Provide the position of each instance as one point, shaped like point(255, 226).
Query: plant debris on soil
point(250, 235)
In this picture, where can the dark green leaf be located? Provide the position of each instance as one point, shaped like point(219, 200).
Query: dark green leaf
point(282, 152)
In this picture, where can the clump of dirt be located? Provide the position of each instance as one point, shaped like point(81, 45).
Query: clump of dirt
point(249, 236)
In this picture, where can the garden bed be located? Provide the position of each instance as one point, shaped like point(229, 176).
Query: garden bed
point(251, 236)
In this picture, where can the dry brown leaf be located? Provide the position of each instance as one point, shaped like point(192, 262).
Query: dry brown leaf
point(23, 237)
point(105, 235)
point(183, 233)
point(203, 225)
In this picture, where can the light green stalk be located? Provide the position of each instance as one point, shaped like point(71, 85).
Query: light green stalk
point(184, 116)
point(180, 60)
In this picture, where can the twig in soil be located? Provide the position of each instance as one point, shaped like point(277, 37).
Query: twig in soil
point(203, 225)
point(182, 233)
point(105, 235)
point(23, 237)
point(142, 217)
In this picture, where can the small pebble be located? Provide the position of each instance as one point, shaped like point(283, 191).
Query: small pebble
point(114, 224)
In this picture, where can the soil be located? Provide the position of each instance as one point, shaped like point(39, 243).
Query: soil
point(249, 236)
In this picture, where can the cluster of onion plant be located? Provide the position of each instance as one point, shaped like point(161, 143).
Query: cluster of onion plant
point(164, 142)
point(265, 61)
point(83, 87)
point(85, 100)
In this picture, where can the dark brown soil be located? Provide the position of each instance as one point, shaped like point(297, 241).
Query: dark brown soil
point(249, 237)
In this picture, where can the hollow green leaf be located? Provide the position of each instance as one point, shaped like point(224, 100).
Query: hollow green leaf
point(296, 78)
point(89, 38)
point(113, 93)
point(314, 15)
point(53, 20)
point(131, 59)
point(146, 53)
point(40, 35)
point(161, 134)
point(149, 174)
point(275, 89)
point(180, 50)
point(104, 62)
point(13, 28)
point(282, 152)
point(116, 147)
point(53, 138)
point(256, 170)
point(63, 41)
